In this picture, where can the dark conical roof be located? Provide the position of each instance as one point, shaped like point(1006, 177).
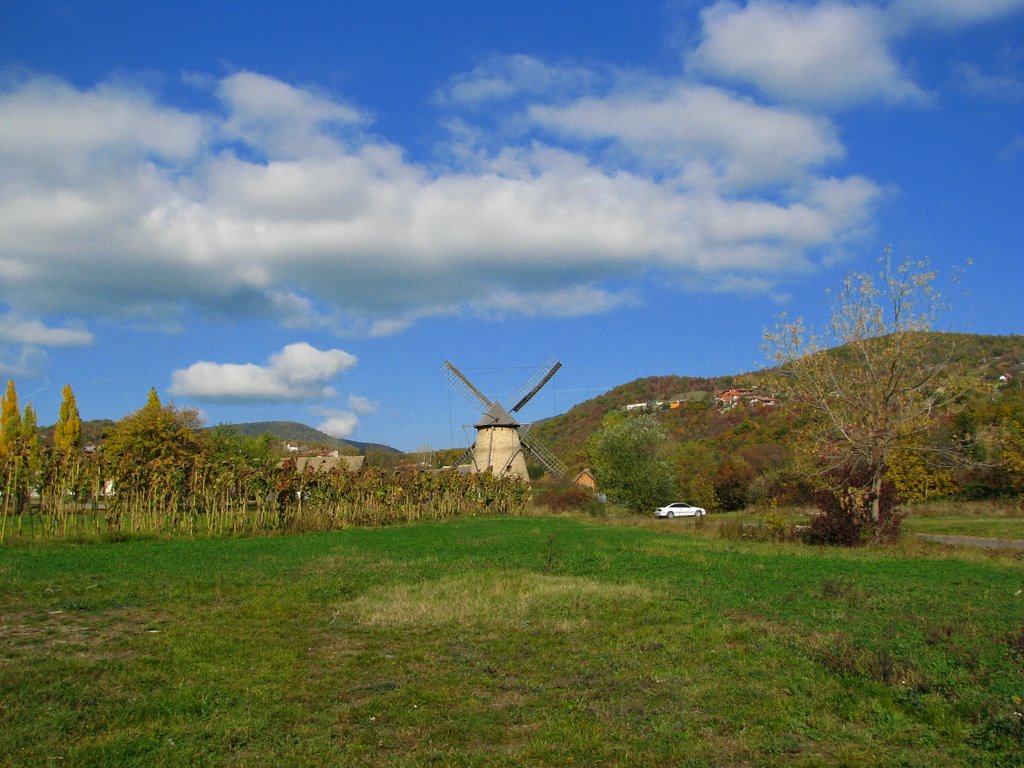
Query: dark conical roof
point(496, 416)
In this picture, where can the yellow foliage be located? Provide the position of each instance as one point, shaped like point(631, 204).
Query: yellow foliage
point(915, 480)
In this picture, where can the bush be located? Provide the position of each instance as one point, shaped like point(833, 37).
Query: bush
point(845, 516)
point(570, 498)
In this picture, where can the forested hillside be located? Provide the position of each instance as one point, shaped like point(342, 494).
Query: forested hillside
point(744, 452)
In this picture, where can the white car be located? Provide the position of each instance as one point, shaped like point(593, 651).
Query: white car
point(679, 509)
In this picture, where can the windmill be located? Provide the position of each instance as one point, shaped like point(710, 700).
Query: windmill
point(500, 439)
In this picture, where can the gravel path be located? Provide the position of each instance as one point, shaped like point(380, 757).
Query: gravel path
point(973, 541)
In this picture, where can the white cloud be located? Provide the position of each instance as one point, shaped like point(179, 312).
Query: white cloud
point(21, 331)
point(709, 135)
point(339, 424)
point(330, 227)
point(829, 54)
point(298, 372)
point(362, 405)
point(501, 78)
point(953, 12)
point(53, 126)
point(1002, 86)
point(29, 362)
point(578, 301)
point(281, 120)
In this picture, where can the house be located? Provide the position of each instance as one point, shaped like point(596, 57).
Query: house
point(585, 479)
point(650, 405)
point(731, 397)
point(327, 463)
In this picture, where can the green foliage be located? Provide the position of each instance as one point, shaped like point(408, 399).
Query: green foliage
point(227, 444)
point(693, 467)
point(629, 460)
point(29, 439)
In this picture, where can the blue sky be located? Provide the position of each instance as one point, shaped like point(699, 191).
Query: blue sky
point(299, 210)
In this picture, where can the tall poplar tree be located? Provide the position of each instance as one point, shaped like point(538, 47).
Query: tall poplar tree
point(67, 435)
point(29, 434)
point(10, 419)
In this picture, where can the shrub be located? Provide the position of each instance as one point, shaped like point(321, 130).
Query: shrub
point(566, 498)
point(845, 515)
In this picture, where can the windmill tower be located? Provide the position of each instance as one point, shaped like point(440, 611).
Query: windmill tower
point(501, 441)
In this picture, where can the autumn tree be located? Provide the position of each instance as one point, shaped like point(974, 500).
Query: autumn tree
point(19, 446)
point(10, 419)
point(693, 465)
point(155, 433)
point(29, 437)
point(872, 383)
point(732, 478)
point(67, 435)
point(628, 456)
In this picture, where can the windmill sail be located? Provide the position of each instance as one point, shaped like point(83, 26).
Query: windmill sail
point(537, 383)
point(465, 386)
point(541, 452)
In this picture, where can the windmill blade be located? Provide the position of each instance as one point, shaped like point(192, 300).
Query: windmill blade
point(541, 453)
point(465, 458)
point(537, 382)
point(465, 386)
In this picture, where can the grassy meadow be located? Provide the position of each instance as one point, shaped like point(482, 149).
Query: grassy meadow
point(508, 641)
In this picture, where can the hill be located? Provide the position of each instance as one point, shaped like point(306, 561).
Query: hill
point(296, 432)
point(96, 430)
point(748, 440)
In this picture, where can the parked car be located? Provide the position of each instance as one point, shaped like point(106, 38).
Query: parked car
point(679, 509)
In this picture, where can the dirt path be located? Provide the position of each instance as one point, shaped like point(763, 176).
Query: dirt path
point(973, 541)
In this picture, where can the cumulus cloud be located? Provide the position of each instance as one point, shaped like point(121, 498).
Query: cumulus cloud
point(279, 203)
point(338, 424)
point(298, 372)
point(831, 54)
point(21, 331)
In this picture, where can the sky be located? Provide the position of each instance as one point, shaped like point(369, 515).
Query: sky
point(299, 210)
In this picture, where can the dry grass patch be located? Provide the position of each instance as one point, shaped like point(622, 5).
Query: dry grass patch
point(94, 635)
point(504, 599)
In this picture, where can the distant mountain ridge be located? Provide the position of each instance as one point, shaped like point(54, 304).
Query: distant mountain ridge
point(95, 430)
point(296, 432)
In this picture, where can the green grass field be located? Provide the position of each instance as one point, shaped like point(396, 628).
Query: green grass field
point(508, 642)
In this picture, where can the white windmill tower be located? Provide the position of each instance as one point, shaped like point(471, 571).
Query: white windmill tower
point(501, 441)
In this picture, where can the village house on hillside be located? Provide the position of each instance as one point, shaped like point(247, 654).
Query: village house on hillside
point(730, 398)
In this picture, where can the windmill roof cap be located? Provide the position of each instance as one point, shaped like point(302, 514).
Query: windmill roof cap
point(496, 416)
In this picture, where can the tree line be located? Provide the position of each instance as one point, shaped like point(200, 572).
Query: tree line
point(159, 473)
